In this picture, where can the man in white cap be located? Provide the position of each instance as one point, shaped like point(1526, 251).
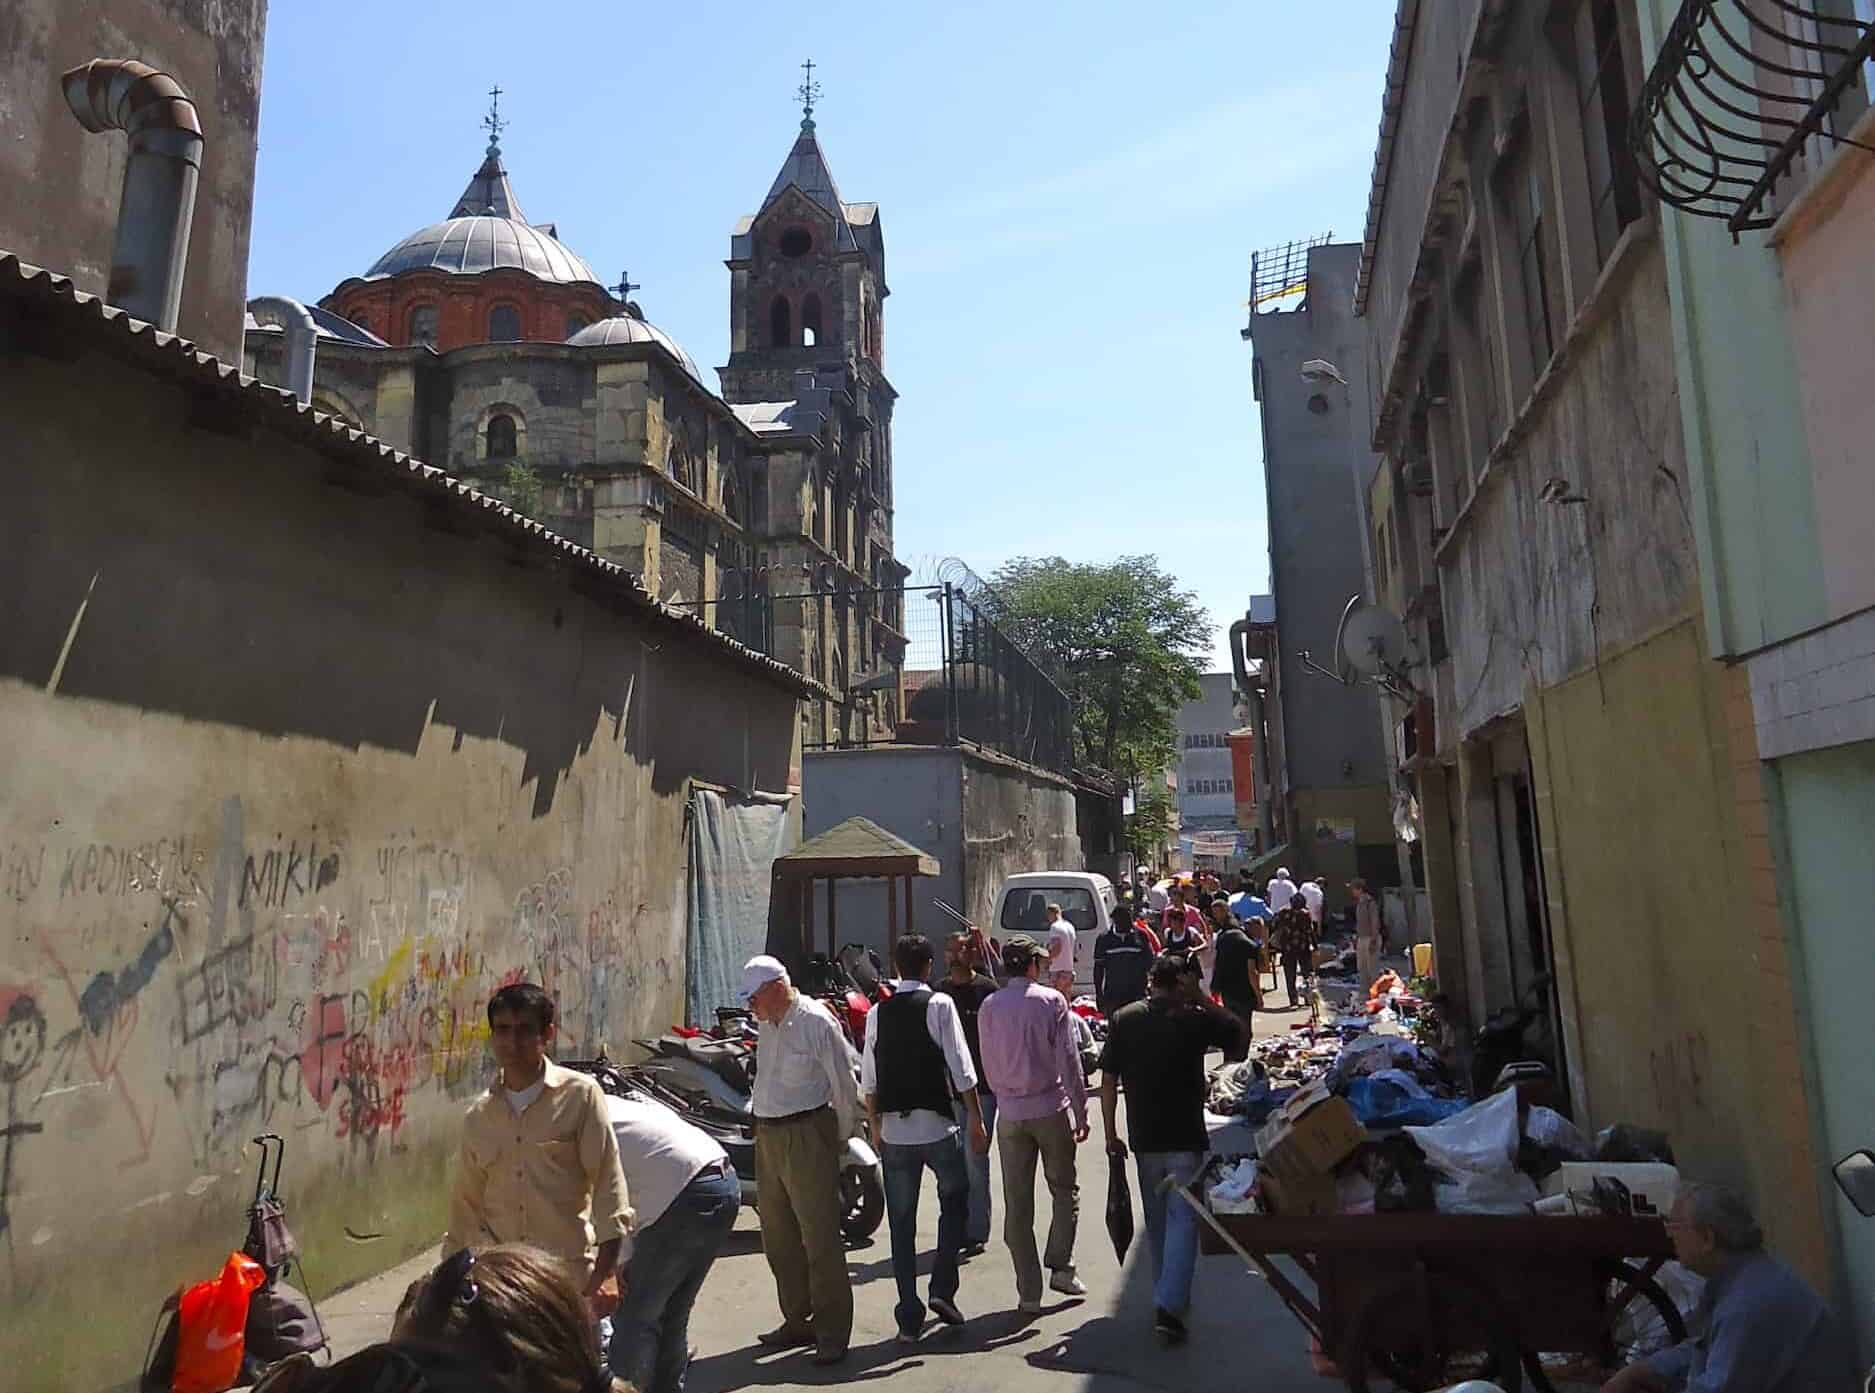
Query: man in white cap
point(806, 1105)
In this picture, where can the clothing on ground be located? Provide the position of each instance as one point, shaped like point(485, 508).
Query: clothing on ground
point(1156, 1049)
point(549, 1177)
point(1029, 1057)
point(797, 1178)
point(806, 1064)
point(1763, 1329)
point(943, 1027)
point(660, 1154)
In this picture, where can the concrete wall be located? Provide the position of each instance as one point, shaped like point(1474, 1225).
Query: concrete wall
point(294, 779)
point(1212, 715)
point(983, 818)
point(63, 184)
point(1669, 1021)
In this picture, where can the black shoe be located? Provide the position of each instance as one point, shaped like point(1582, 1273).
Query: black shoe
point(1169, 1327)
point(786, 1337)
point(946, 1311)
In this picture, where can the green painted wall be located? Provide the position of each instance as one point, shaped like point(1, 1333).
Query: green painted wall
point(1749, 483)
point(1828, 799)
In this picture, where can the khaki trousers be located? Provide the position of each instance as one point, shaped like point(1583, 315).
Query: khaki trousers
point(1051, 1140)
point(797, 1174)
point(1367, 959)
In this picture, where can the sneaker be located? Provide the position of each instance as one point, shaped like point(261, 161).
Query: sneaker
point(946, 1311)
point(1067, 1283)
point(786, 1337)
point(1169, 1327)
point(1030, 1308)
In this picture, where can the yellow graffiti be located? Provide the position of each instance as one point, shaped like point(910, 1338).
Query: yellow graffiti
point(381, 984)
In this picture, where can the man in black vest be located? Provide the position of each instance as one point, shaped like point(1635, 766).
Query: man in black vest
point(1122, 959)
point(916, 1059)
point(969, 985)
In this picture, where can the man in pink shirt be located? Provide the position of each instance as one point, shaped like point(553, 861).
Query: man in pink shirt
point(1032, 1066)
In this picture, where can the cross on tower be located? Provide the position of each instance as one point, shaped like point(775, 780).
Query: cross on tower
point(624, 287)
point(809, 93)
point(492, 122)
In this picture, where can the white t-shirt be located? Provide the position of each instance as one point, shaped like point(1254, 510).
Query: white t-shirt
point(1061, 939)
point(1281, 891)
point(519, 1103)
point(1157, 897)
point(921, 1126)
point(1312, 897)
point(659, 1152)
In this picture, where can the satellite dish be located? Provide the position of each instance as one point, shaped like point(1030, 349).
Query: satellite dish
point(1375, 644)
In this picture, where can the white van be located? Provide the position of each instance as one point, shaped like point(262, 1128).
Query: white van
point(1087, 901)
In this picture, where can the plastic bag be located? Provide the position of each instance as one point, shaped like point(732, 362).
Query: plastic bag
point(212, 1327)
point(1486, 1192)
point(1119, 1207)
point(1482, 1139)
point(1394, 1098)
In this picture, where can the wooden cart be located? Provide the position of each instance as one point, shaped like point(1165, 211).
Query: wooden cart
point(1408, 1300)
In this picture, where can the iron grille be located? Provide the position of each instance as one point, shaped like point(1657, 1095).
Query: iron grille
point(1739, 89)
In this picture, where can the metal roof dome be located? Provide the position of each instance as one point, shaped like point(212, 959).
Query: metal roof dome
point(468, 246)
point(625, 328)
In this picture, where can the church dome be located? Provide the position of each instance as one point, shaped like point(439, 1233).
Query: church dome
point(468, 246)
point(625, 328)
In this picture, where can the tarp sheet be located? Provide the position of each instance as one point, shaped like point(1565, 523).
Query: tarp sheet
point(733, 846)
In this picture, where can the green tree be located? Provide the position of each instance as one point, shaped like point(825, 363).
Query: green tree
point(1126, 644)
point(522, 487)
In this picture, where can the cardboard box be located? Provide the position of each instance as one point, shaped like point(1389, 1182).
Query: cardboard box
point(1297, 1196)
point(1312, 1134)
point(1651, 1186)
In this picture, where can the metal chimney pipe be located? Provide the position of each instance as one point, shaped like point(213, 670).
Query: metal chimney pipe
point(302, 338)
point(158, 203)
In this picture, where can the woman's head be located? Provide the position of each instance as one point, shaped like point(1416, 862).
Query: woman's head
point(518, 1309)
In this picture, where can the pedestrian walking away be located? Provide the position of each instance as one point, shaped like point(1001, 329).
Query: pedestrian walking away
point(1369, 936)
point(1234, 981)
point(916, 1065)
point(686, 1194)
point(1312, 898)
point(1156, 1049)
point(1030, 1059)
point(538, 1163)
point(1061, 945)
point(1292, 934)
point(1281, 890)
point(1122, 958)
point(806, 1104)
point(969, 985)
point(1246, 904)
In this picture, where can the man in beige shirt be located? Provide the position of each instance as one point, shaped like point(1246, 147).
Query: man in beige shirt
point(539, 1162)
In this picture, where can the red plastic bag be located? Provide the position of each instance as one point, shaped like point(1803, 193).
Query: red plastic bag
point(212, 1327)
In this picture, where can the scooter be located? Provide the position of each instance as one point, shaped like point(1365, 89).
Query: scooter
point(1855, 1177)
point(710, 1082)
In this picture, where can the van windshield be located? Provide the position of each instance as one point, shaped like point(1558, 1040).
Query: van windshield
point(1026, 910)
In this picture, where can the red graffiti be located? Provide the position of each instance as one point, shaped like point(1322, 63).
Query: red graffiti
point(323, 1058)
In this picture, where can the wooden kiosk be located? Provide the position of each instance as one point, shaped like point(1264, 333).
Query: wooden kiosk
point(857, 849)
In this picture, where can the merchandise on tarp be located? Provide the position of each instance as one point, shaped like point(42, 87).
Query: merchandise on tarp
point(733, 846)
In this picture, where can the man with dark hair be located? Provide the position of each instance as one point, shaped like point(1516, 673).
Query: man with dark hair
point(1234, 972)
point(967, 984)
point(916, 1059)
point(1156, 1047)
point(538, 1162)
point(1761, 1328)
point(1292, 934)
point(1031, 1061)
point(1122, 959)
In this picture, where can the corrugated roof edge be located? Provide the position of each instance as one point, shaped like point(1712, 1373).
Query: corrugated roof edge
point(147, 346)
point(1399, 56)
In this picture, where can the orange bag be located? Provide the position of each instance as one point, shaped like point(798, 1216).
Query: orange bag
point(212, 1326)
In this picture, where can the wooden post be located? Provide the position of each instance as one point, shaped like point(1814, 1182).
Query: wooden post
point(891, 914)
point(832, 932)
point(909, 882)
point(805, 894)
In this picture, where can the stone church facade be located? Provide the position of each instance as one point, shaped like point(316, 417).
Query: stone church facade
point(487, 347)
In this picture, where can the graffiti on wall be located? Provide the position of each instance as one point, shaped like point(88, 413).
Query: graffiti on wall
point(167, 1000)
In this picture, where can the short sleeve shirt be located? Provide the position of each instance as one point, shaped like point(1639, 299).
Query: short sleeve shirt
point(1156, 1048)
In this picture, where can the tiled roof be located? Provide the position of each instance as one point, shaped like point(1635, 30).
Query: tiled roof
point(110, 331)
point(859, 840)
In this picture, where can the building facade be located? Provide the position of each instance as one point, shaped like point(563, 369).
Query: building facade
point(1208, 795)
point(1308, 376)
point(1576, 776)
point(1772, 297)
point(486, 345)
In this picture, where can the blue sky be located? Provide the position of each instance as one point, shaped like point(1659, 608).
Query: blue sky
point(1070, 200)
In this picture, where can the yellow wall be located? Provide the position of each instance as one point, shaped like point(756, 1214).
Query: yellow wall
point(1670, 997)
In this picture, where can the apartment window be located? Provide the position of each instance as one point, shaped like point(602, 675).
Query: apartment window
point(1524, 202)
point(1601, 79)
point(1478, 348)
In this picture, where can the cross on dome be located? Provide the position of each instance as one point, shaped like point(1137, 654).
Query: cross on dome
point(492, 123)
point(809, 93)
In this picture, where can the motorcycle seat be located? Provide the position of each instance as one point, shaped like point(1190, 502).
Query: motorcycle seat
point(726, 1059)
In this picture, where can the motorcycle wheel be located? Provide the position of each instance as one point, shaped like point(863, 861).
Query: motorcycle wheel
point(862, 1203)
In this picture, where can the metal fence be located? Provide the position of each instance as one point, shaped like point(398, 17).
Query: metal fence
point(960, 679)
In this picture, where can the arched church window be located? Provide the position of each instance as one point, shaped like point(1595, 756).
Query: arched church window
point(796, 242)
point(574, 323)
point(504, 324)
point(682, 465)
point(422, 325)
point(780, 323)
point(501, 436)
point(810, 320)
point(732, 494)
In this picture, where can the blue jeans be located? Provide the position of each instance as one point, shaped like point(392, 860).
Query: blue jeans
point(904, 1177)
point(1171, 1227)
point(977, 1227)
point(650, 1346)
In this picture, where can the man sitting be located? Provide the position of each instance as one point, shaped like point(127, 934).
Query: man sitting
point(1762, 1330)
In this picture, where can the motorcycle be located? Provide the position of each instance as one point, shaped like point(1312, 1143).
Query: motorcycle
point(710, 1082)
point(1855, 1177)
point(1500, 1054)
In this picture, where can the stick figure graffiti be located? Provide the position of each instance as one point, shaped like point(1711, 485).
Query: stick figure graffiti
point(22, 1044)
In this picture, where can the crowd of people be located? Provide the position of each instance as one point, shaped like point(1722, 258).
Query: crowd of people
point(581, 1234)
